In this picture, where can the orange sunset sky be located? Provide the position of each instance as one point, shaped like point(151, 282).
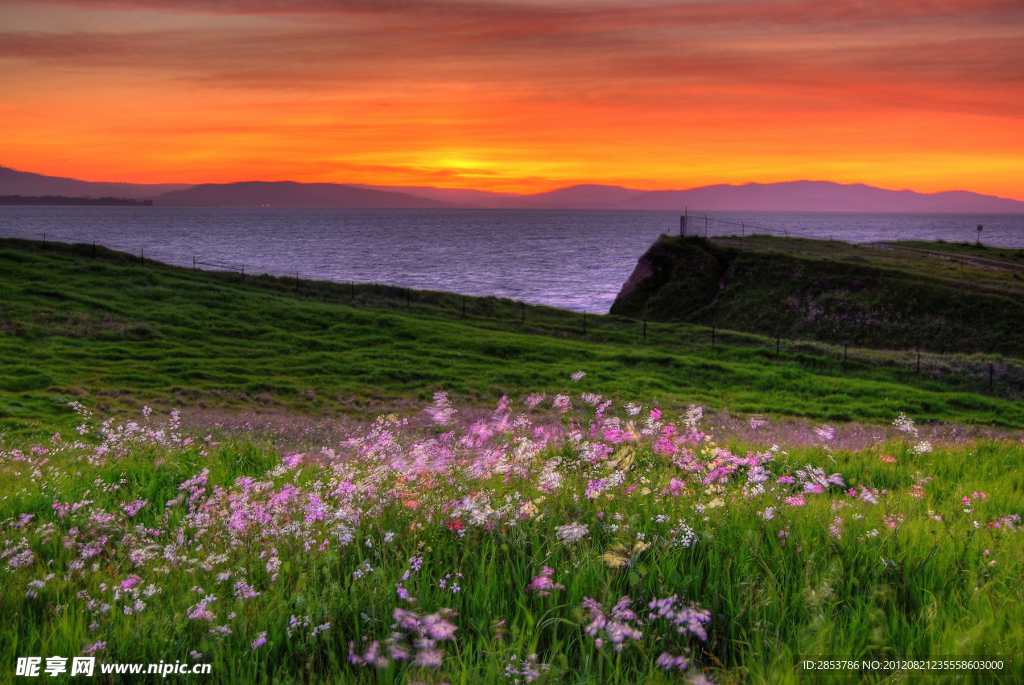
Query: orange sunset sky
point(522, 96)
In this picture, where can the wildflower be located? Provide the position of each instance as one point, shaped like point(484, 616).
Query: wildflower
point(825, 432)
point(905, 425)
point(441, 412)
point(562, 403)
point(372, 656)
point(196, 655)
point(616, 625)
point(578, 376)
point(98, 646)
point(768, 514)
point(200, 612)
point(534, 399)
point(668, 662)
point(542, 584)
point(133, 508)
point(528, 669)
point(632, 409)
point(693, 416)
point(836, 529)
point(922, 447)
point(130, 582)
point(682, 618)
point(571, 533)
point(260, 640)
point(403, 594)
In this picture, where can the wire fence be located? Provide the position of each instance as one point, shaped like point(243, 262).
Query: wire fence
point(984, 373)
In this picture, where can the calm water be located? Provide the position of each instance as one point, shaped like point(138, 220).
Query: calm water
point(572, 259)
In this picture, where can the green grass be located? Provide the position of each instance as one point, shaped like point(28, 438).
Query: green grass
point(114, 333)
point(911, 576)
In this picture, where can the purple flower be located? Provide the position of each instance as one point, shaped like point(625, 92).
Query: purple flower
point(132, 508)
point(542, 585)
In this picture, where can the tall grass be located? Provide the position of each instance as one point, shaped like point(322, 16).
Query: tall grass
point(113, 543)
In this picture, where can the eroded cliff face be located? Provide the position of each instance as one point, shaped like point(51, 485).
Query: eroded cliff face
point(644, 269)
point(673, 279)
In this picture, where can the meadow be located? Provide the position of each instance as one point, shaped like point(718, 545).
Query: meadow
point(504, 495)
point(552, 540)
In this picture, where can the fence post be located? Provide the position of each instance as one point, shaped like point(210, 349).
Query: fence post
point(44, 240)
point(408, 299)
point(351, 290)
point(523, 304)
point(142, 257)
point(94, 249)
point(243, 273)
point(193, 263)
point(463, 306)
point(584, 322)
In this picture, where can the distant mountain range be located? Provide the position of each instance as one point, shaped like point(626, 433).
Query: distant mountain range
point(794, 196)
point(14, 182)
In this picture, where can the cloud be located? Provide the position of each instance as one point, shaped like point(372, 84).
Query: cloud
point(525, 79)
point(948, 55)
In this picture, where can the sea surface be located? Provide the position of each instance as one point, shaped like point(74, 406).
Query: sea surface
point(571, 259)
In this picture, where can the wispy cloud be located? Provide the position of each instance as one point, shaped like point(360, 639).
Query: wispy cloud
point(792, 66)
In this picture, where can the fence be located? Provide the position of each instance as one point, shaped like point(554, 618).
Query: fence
point(957, 371)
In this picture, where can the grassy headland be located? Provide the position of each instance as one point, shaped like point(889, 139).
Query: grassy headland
point(112, 332)
point(934, 297)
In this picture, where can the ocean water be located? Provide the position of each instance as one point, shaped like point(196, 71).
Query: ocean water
point(571, 259)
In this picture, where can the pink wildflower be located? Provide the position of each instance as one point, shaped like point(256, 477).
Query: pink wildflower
point(542, 585)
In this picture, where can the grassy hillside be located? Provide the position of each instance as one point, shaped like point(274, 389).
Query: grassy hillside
point(113, 332)
point(928, 296)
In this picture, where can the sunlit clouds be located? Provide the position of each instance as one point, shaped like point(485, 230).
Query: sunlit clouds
point(524, 96)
